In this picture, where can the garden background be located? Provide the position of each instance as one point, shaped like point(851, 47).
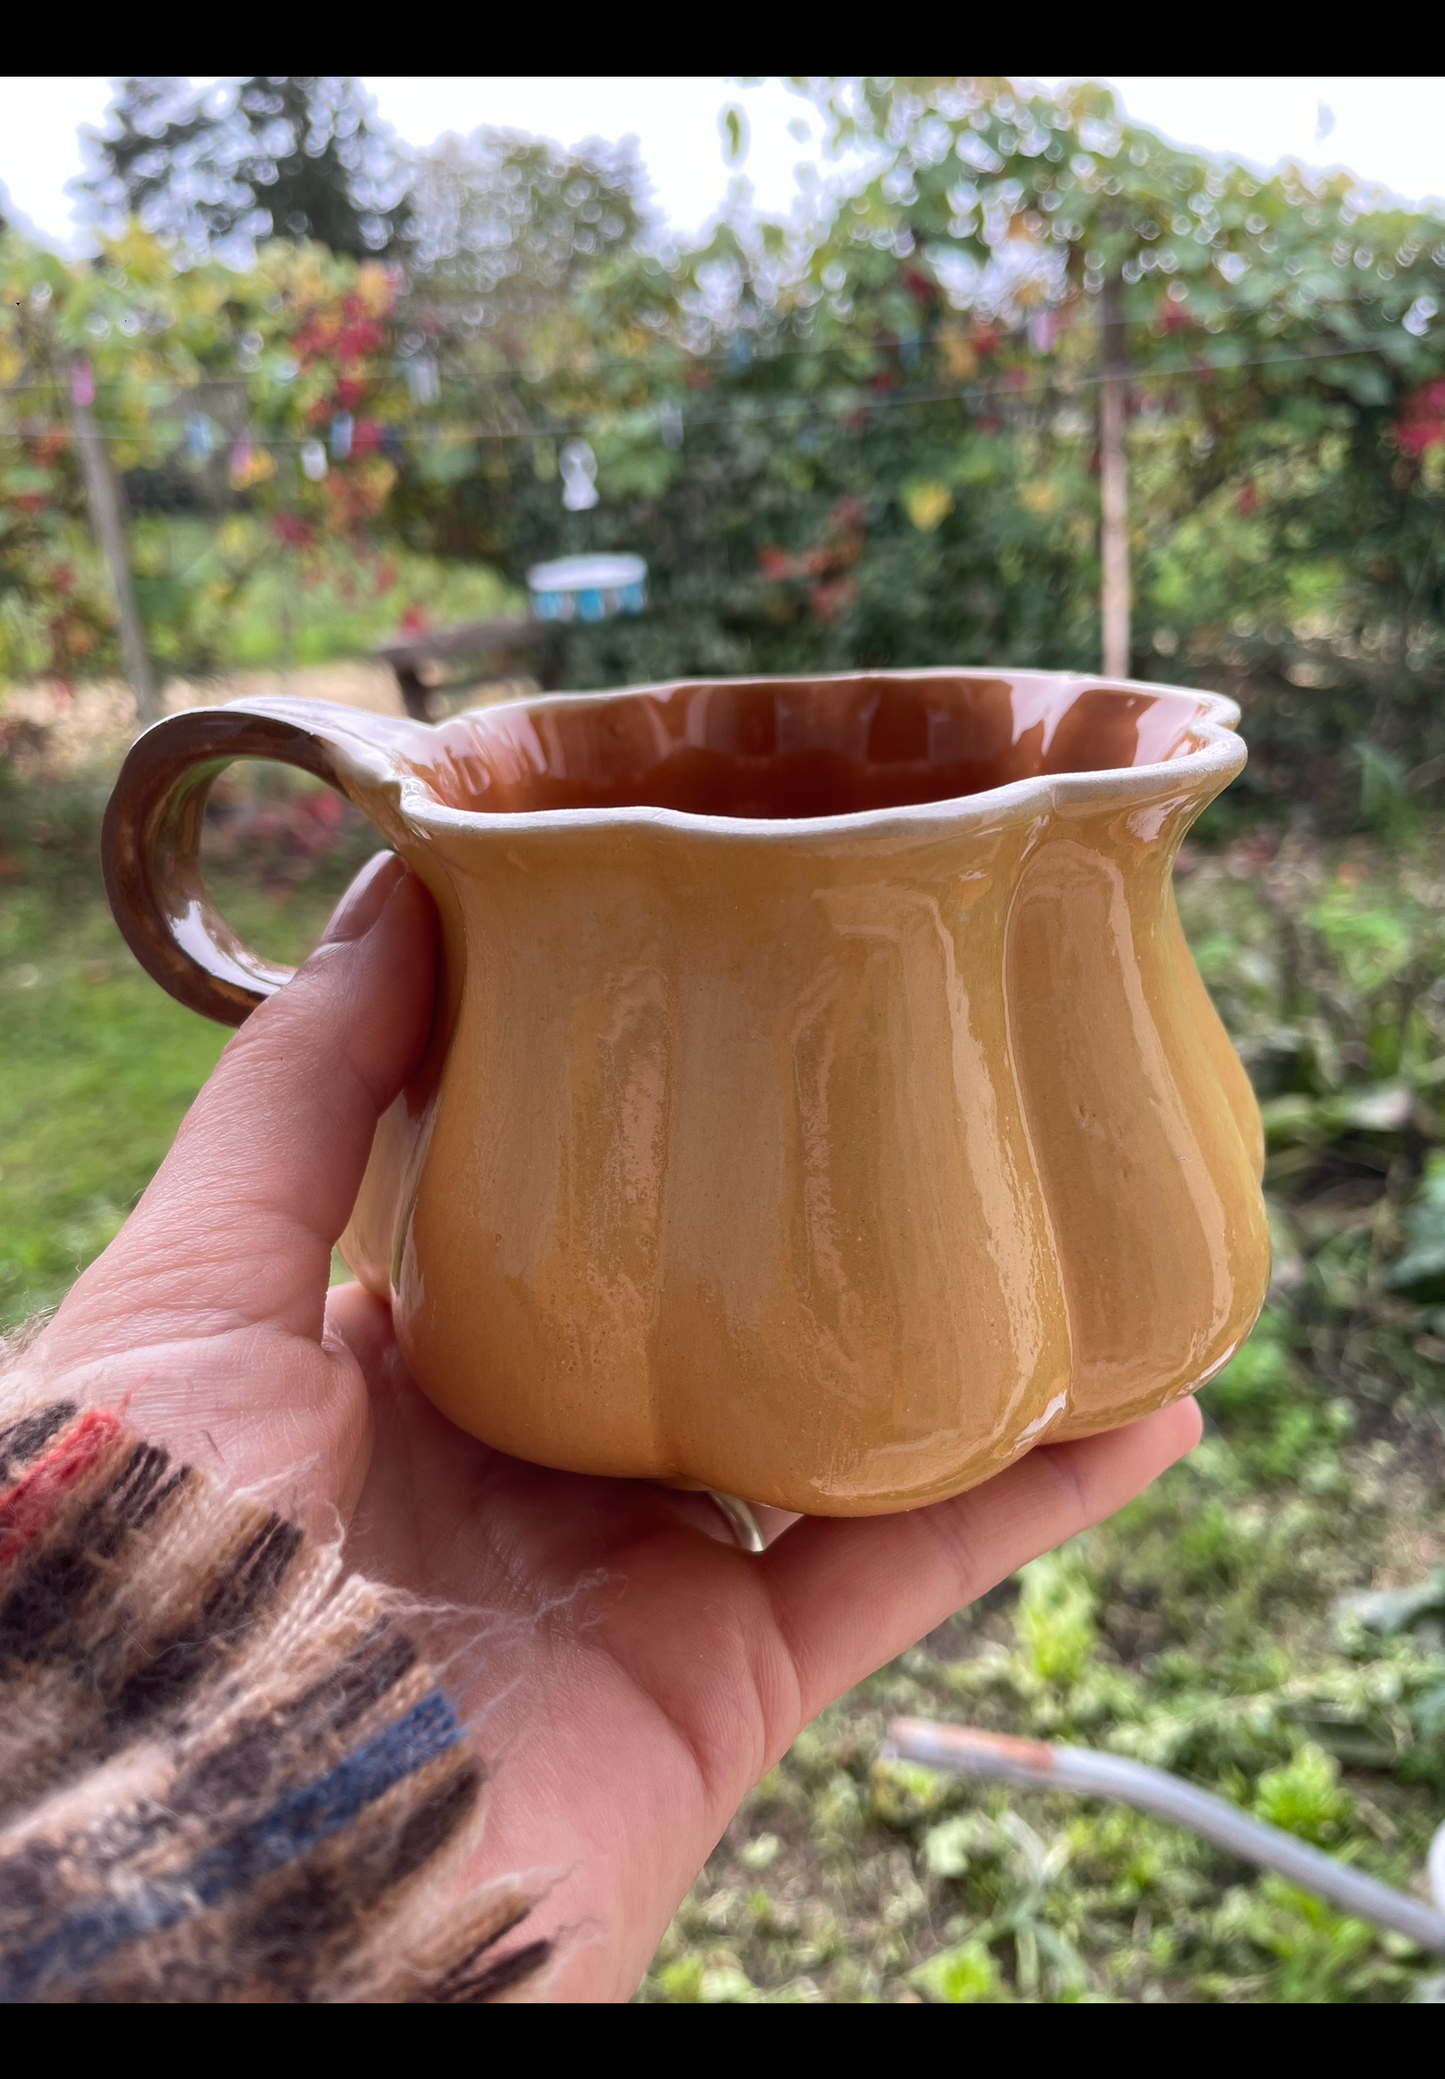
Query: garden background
point(341, 390)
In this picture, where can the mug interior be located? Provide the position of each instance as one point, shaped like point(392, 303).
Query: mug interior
point(798, 748)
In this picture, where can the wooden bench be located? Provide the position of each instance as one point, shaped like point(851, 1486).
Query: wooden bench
point(500, 646)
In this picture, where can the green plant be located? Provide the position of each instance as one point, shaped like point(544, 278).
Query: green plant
point(1055, 1618)
point(1304, 1797)
point(961, 1976)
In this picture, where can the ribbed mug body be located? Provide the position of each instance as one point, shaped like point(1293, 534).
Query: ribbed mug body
point(829, 1160)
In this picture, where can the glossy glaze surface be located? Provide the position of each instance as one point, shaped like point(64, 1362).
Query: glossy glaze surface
point(824, 1105)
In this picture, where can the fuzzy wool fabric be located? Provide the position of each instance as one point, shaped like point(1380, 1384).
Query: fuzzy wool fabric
point(226, 1773)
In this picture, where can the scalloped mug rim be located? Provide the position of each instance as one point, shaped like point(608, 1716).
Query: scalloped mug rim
point(1217, 756)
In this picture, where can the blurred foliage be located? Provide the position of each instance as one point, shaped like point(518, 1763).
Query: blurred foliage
point(501, 230)
point(231, 164)
point(868, 437)
point(219, 598)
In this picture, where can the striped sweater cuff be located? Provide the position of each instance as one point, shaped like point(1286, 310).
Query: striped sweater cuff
point(225, 1772)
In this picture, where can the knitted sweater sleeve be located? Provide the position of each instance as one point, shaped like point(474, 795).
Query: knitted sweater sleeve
point(225, 1771)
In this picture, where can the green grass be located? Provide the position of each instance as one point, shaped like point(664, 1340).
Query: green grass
point(99, 1064)
point(98, 1071)
point(1214, 1627)
point(1192, 1632)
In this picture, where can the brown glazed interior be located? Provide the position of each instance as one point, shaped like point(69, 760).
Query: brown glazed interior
point(796, 748)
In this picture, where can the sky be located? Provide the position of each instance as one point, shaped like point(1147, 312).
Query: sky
point(1389, 130)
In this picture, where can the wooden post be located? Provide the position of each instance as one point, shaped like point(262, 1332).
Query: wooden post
point(1114, 480)
point(102, 498)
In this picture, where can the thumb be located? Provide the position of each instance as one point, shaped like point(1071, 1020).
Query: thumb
point(240, 1220)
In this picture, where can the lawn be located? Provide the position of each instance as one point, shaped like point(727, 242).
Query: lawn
point(99, 1064)
point(1216, 1627)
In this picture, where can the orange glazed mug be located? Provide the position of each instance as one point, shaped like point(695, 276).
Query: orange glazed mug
point(823, 1105)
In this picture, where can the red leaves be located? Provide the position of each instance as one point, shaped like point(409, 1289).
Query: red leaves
point(341, 337)
point(286, 839)
point(355, 342)
point(839, 547)
point(325, 811)
point(1421, 424)
point(313, 337)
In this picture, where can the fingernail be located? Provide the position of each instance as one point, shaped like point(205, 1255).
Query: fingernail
point(365, 899)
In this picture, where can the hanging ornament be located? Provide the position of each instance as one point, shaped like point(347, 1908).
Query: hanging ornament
point(313, 461)
point(200, 438)
point(343, 427)
point(423, 379)
point(1044, 330)
point(82, 384)
point(579, 477)
point(669, 419)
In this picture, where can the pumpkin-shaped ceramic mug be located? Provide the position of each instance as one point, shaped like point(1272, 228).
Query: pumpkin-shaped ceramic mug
point(823, 1105)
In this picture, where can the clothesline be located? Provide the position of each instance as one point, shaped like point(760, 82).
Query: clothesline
point(968, 391)
point(742, 348)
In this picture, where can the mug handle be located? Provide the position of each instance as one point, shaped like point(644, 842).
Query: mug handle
point(151, 838)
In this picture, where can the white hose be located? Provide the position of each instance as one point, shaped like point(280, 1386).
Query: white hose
point(1040, 1766)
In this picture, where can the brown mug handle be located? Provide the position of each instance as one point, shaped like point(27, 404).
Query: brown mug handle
point(151, 838)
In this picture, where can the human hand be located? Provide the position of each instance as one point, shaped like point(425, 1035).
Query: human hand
point(629, 1675)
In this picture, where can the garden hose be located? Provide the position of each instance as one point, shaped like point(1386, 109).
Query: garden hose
point(1038, 1765)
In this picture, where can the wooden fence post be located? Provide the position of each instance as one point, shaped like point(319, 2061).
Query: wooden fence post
point(102, 498)
point(1114, 480)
